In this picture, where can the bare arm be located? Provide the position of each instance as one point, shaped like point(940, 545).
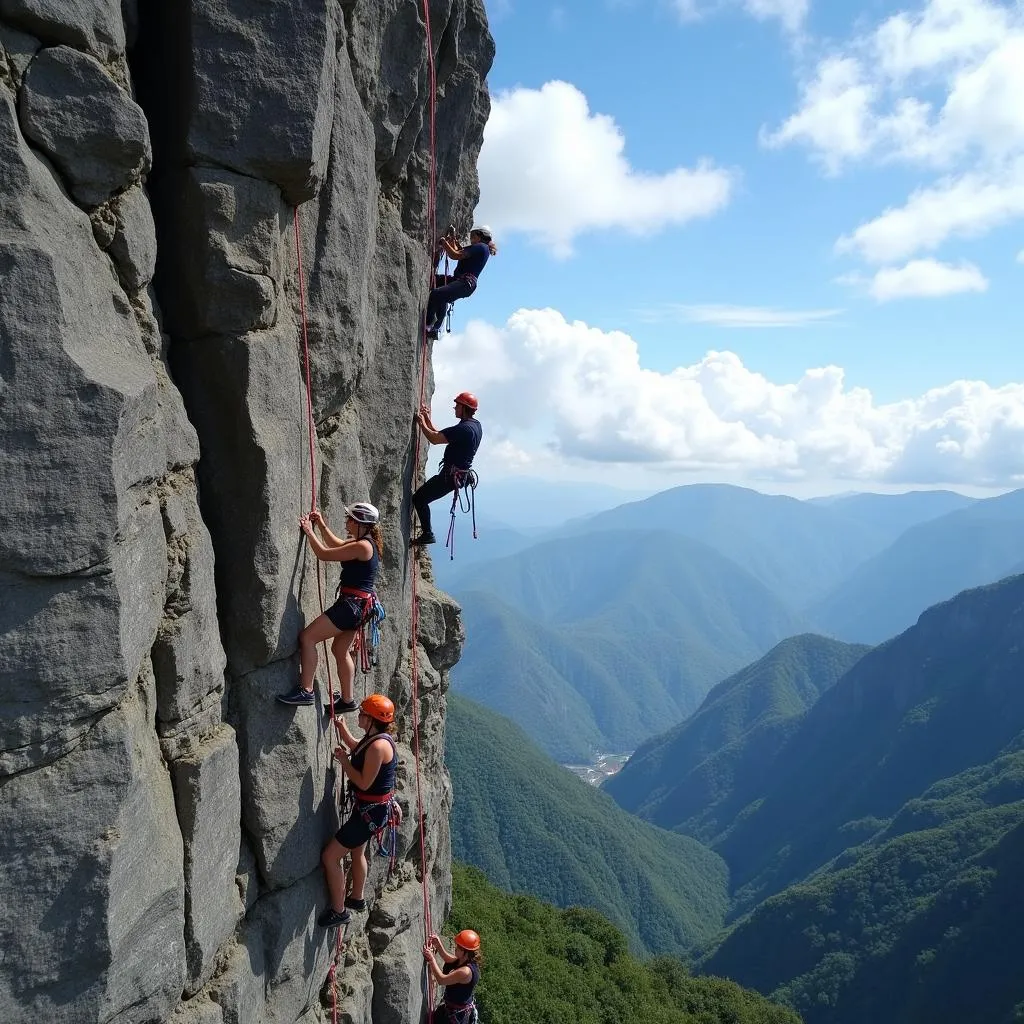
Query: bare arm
point(435, 942)
point(346, 735)
point(346, 551)
point(317, 519)
point(453, 249)
point(430, 432)
point(460, 976)
point(375, 758)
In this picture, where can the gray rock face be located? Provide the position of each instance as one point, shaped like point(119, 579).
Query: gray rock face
point(93, 131)
point(91, 25)
point(166, 815)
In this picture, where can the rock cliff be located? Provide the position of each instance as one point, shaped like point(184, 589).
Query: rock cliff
point(161, 817)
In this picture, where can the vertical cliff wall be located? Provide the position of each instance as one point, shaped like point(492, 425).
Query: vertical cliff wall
point(161, 818)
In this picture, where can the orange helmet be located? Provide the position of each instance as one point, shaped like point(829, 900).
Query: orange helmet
point(378, 707)
point(468, 939)
point(468, 399)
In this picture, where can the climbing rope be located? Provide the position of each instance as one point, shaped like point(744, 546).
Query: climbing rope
point(311, 431)
point(414, 615)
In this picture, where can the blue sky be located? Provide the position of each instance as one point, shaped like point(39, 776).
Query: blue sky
point(803, 122)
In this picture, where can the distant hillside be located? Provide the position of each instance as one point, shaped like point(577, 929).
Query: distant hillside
point(929, 563)
point(923, 922)
point(699, 775)
point(891, 514)
point(944, 696)
point(573, 967)
point(638, 632)
point(534, 827)
point(796, 549)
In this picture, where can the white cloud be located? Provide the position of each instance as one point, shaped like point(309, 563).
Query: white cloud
point(925, 279)
point(965, 207)
point(791, 13)
point(556, 389)
point(739, 316)
point(939, 89)
point(551, 168)
point(1020, 256)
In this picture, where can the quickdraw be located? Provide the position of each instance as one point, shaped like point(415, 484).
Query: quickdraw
point(372, 614)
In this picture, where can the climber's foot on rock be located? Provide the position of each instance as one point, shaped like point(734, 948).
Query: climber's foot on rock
point(331, 918)
point(341, 706)
point(297, 697)
point(353, 904)
point(422, 539)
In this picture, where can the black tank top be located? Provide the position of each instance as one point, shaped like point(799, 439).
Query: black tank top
point(384, 783)
point(360, 575)
point(461, 994)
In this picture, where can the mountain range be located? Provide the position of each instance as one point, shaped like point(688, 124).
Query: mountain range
point(628, 617)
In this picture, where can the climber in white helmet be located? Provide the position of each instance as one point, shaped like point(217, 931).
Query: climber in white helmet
point(470, 262)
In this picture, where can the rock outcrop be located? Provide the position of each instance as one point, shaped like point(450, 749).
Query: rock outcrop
point(162, 817)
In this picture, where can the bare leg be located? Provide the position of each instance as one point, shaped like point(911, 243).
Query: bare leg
point(342, 649)
point(334, 872)
point(320, 629)
point(358, 871)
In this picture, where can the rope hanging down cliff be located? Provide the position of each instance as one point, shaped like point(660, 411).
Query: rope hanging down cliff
point(414, 615)
point(339, 943)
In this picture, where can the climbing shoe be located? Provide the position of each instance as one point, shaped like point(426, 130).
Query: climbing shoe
point(432, 335)
point(298, 696)
point(423, 538)
point(353, 904)
point(341, 707)
point(331, 918)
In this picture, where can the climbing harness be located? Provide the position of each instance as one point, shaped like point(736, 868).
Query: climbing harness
point(464, 499)
point(371, 615)
point(461, 1013)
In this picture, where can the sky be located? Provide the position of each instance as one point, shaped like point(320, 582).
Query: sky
point(778, 243)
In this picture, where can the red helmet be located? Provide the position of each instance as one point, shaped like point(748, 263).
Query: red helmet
point(468, 939)
point(379, 708)
point(468, 399)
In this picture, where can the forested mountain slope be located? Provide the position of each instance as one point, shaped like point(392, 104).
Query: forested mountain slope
point(598, 633)
point(534, 827)
point(698, 776)
point(573, 967)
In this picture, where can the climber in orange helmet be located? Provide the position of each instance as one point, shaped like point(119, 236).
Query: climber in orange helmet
point(371, 769)
point(459, 975)
point(462, 442)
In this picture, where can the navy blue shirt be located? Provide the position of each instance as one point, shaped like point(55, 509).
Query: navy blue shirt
point(463, 440)
point(474, 261)
point(460, 995)
point(385, 781)
point(360, 575)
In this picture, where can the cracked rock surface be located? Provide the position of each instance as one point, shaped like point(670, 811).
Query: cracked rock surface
point(162, 817)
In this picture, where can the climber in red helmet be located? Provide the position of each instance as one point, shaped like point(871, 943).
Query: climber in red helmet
point(459, 976)
point(371, 765)
point(470, 262)
point(462, 442)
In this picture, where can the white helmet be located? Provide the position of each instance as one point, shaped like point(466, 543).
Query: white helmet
point(363, 512)
point(481, 229)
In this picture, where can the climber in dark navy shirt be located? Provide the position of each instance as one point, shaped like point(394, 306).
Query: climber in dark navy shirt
point(459, 976)
point(462, 441)
point(471, 260)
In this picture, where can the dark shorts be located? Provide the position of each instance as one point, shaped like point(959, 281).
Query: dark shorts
point(356, 831)
point(346, 613)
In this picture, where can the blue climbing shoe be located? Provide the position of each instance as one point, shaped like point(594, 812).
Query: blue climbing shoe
point(297, 697)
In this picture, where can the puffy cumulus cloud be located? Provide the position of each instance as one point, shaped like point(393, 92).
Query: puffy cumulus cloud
point(939, 89)
point(553, 169)
point(925, 279)
point(557, 389)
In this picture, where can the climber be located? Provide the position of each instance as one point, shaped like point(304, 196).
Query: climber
point(462, 441)
point(361, 554)
point(459, 976)
point(471, 260)
point(371, 768)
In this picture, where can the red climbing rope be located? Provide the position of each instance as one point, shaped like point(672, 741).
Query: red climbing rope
point(311, 430)
point(414, 615)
